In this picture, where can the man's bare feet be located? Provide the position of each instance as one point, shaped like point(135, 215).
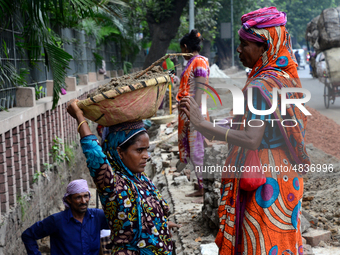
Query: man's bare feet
point(198, 200)
point(198, 193)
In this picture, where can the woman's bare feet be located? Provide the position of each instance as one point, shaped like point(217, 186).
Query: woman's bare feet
point(198, 193)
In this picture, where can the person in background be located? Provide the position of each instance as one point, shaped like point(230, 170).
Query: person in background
point(298, 57)
point(76, 230)
point(193, 79)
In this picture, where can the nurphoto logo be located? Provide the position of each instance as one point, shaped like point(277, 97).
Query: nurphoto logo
point(238, 104)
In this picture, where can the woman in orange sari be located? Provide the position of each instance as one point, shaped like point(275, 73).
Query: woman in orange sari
point(193, 78)
point(267, 219)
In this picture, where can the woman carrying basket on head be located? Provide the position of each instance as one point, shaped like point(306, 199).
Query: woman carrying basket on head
point(265, 220)
point(193, 78)
point(135, 210)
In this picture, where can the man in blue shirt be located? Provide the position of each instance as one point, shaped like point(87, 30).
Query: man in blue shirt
point(73, 231)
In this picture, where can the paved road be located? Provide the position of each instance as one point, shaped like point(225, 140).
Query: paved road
point(317, 101)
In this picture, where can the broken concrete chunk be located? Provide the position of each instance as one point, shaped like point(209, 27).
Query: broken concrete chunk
point(315, 236)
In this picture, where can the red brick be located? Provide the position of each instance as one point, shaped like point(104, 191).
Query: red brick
point(17, 156)
point(10, 171)
point(23, 160)
point(23, 142)
point(29, 147)
point(29, 156)
point(9, 142)
point(15, 131)
point(17, 166)
point(3, 168)
point(21, 127)
point(11, 181)
point(2, 158)
point(2, 147)
point(3, 187)
point(28, 131)
point(9, 162)
point(9, 152)
point(3, 177)
point(23, 152)
point(16, 147)
point(30, 164)
point(12, 199)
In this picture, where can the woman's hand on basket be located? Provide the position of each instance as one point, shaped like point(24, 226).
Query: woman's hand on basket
point(73, 109)
point(189, 106)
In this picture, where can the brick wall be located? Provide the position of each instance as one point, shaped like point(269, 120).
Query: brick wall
point(26, 138)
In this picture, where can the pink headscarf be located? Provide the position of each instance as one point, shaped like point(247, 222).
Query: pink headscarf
point(261, 18)
point(74, 187)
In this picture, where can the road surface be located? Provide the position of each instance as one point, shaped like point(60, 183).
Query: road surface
point(317, 101)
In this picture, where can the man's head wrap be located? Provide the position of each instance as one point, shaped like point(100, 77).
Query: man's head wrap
point(74, 187)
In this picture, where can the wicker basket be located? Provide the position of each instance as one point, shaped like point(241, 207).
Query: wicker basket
point(126, 104)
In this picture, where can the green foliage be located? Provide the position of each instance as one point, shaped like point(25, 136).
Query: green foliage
point(22, 201)
point(36, 176)
point(174, 45)
point(158, 11)
point(38, 17)
point(98, 59)
point(57, 154)
point(69, 152)
point(8, 72)
point(127, 66)
point(38, 91)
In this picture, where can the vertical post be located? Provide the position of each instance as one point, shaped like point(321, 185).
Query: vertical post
point(170, 98)
point(232, 33)
point(14, 48)
point(191, 15)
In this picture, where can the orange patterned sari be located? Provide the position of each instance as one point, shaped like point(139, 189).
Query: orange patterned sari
point(267, 220)
point(191, 144)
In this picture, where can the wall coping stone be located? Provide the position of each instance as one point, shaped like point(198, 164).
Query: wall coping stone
point(18, 115)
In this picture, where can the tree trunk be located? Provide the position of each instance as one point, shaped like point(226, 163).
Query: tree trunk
point(223, 51)
point(206, 51)
point(162, 33)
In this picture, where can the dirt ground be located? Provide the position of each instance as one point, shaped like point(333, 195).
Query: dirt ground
point(323, 133)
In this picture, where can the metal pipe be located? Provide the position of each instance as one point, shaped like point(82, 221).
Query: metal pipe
point(232, 34)
point(191, 15)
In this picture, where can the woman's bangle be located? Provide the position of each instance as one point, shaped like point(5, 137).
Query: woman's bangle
point(226, 135)
point(81, 123)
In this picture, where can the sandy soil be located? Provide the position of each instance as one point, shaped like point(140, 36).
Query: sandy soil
point(323, 133)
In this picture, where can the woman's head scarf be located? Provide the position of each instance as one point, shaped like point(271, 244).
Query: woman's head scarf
point(267, 25)
point(115, 136)
point(276, 68)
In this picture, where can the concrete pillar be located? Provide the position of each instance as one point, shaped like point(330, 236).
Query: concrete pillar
point(49, 88)
point(83, 79)
point(25, 97)
point(92, 77)
point(120, 72)
point(114, 73)
point(100, 77)
point(71, 83)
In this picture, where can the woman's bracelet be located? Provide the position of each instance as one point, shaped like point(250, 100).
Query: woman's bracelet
point(81, 123)
point(226, 135)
